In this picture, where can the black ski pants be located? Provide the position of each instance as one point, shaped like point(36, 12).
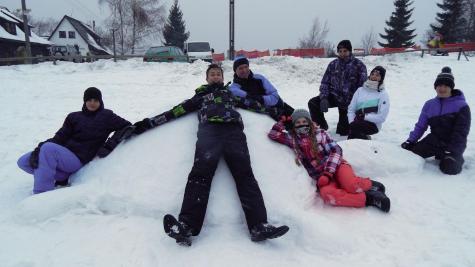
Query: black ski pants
point(360, 129)
point(342, 127)
point(216, 140)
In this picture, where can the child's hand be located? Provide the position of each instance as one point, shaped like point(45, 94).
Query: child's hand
point(324, 179)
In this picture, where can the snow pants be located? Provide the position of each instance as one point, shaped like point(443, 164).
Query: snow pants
point(346, 189)
point(216, 140)
point(360, 129)
point(318, 116)
point(431, 146)
point(56, 163)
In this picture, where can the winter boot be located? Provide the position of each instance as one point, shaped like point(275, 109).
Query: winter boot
point(377, 186)
point(378, 199)
point(60, 184)
point(179, 231)
point(263, 231)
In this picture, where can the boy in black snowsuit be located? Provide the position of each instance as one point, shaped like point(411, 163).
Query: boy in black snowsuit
point(220, 133)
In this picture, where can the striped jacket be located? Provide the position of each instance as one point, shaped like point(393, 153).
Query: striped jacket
point(329, 152)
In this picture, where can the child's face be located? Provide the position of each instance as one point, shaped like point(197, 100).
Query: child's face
point(93, 104)
point(243, 71)
point(343, 53)
point(214, 76)
point(443, 91)
point(301, 122)
point(375, 76)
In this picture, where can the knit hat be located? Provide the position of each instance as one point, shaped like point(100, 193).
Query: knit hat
point(300, 113)
point(240, 60)
point(344, 44)
point(382, 73)
point(445, 78)
point(92, 92)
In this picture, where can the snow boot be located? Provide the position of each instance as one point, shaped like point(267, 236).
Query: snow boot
point(263, 231)
point(377, 186)
point(61, 184)
point(378, 199)
point(179, 231)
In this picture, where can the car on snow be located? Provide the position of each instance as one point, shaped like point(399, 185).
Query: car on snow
point(165, 54)
point(199, 50)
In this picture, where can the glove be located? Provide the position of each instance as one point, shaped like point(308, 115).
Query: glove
point(287, 121)
point(257, 98)
point(408, 145)
point(34, 157)
point(142, 126)
point(359, 116)
point(324, 105)
point(104, 151)
point(324, 179)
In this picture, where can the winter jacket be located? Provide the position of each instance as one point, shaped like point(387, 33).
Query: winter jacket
point(84, 132)
point(373, 103)
point(214, 103)
point(255, 85)
point(342, 78)
point(329, 152)
point(449, 120)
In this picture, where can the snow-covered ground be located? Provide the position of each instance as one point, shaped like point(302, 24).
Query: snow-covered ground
point(112, 214)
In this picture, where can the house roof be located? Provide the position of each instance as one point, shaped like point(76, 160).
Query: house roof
point(85, 31)
point(20, 35)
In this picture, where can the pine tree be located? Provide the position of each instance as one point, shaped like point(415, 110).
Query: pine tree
point(397, 33)
point(174, 31)
point(451, 23)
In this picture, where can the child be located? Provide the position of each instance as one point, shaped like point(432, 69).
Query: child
point(220, 133)
point(448, 116)
point(74, 145)
point(322, 157)
point(369, 106)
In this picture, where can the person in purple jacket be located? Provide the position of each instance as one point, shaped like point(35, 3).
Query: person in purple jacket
point(256, 88)
point(83, 133)
point(342, 78)
point(448, 116)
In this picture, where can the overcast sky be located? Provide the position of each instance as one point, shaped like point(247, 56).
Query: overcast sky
point(260, 24)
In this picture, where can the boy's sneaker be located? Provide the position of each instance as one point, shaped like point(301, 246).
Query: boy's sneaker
point(179, 231)
point(378, 199)
point(377, 186)
point(263, 231)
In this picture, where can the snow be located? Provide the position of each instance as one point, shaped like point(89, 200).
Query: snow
point(93, 42)
point(20, 36)
point(112, 214)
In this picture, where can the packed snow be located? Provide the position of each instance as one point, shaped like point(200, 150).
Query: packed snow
point(112, 214)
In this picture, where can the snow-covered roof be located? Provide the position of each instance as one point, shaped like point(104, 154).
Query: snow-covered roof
point(20, 36)
point(6, 17)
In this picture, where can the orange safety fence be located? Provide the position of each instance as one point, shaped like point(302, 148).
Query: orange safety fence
point(390, 50)
point(303, 52)
point(218, 57)
point(469, 46)
point(252, 54)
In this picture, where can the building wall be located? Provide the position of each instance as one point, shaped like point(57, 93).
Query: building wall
point(67, 27)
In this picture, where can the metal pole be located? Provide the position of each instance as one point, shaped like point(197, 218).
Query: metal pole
point(27, 32)
point(231, 30)
point(113, 43)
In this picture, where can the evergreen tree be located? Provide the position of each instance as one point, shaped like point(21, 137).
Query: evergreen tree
point(174, 31)
point(397, 33)
point(451, 23)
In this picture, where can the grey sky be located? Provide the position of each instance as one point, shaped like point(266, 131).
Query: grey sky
point(260, 24)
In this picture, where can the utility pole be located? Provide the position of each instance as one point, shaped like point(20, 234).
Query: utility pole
point(231, 30)
point(26, 29)
point(113, 43)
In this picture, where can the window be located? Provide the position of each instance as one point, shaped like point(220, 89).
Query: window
point(62, 34)
point(9, 27)
point(71, 35)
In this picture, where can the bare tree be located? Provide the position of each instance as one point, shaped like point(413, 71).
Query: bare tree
point(42, 27)
point(369, 41)
point(316, 36)
point(135, 20)
point(471, 20)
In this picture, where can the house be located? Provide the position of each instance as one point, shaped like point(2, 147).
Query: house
point(72, 32)
point(12, 37)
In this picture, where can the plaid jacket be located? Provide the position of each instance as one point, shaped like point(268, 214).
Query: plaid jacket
point(329, 152)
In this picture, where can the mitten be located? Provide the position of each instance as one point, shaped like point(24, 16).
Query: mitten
point(257, 98)
point(408, 145)
point(359, 116)
point(324, 105)
point(287, 121)
point(324, 179)
point(142, 126)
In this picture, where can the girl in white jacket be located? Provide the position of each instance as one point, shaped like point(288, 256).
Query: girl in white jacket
point(369, 106)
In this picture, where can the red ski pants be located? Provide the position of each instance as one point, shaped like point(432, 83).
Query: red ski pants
point(346, 189)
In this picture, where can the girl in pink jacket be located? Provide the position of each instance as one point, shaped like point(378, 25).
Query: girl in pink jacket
point(322, 158)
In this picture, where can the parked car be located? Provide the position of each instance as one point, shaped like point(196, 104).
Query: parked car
point(66, 52)
point(199, 50)
point(165, 54)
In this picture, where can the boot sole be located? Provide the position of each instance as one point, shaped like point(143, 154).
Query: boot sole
point(169, 223)
point(386, 204)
